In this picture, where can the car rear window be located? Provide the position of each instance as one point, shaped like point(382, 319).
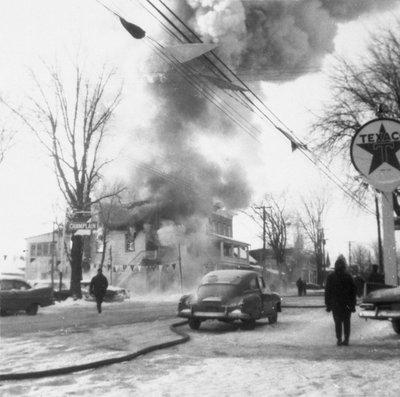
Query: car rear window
point(220, 290)
point(221, 278)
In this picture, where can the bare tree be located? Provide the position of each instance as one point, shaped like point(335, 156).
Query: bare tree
point(70, 119)
point(273, 219)
point(312, 221)
point(361, 258)
point(361, 92)
point(7, 134)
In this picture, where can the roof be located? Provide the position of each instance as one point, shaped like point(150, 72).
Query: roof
point(226, 239)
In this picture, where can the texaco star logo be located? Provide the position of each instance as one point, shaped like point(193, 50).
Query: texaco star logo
point(375, 152)
point(383, 149)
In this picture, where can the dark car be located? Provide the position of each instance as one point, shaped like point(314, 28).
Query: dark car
point(383, 304)
point(113, 293)
point(229, 295)
point(16, 295)
point(60, 294)
point(313, 286)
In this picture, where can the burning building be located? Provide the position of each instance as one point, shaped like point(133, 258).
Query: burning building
point(144, 251)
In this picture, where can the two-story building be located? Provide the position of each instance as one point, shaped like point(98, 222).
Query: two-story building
point(136, 258)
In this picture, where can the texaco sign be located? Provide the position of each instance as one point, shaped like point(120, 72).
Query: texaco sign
point(375, 152)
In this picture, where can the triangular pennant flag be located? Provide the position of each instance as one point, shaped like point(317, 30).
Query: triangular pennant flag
point(225, 84)
point(135, 31)
point(186, 52)
point(294, 145)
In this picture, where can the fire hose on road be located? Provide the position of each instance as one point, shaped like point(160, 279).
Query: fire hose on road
point(96, 364)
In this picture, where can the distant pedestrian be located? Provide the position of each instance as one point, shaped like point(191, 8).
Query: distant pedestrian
point(98, 288)
point(304, 288)
point(300, 286)
point(375, 277)
point(340, 298)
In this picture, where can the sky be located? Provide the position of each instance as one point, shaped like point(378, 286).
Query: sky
point(62, 32)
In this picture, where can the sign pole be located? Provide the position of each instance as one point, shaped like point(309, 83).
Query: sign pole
point(389, 242)
point(375, 153)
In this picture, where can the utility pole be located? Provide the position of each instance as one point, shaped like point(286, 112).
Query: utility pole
point(53, 253)
point(180, 266)
point(350, 253)
point(264, 236)
point(264, 218)
point(323, 240)
point(378, 221)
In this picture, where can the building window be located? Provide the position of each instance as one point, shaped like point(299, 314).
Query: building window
point(226, 230)
point(130, 240)
point(45, 250)
point(39, 250)
point(227, 250)
point(33, 250)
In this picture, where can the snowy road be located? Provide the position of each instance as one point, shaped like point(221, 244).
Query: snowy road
point(295, 357)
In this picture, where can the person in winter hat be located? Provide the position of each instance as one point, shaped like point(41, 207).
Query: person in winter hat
point(340, 299)
point(98, 288)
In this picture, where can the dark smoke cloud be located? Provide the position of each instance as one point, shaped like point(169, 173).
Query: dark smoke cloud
point(253, 37)
point(346, 10)
point(264, 36)
point(287, 36)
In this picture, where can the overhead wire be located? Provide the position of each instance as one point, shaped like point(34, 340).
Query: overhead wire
point(210, 93)
point(191, 78)
point(287, 132)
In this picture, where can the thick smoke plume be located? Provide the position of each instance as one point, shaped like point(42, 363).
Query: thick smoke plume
point(275, 39)
point(255, 38)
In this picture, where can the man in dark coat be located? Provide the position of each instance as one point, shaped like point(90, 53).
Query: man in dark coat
point(340, 298)
point(98, 288)
point(300, 287)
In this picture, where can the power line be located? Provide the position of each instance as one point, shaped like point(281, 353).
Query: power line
point(210, 94)
point(286, 131)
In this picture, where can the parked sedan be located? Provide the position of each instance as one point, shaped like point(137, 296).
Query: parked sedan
point(16, 295)
point(383, 304)
point(113, 293)
point(60, 294)
point(230, 295)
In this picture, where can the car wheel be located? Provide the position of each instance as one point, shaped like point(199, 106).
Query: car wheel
point(396, 325)
point(194, 323)
point(274, 318)
point(32, 309)
point(248, 324)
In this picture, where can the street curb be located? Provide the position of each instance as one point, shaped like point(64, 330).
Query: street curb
point(82, 367)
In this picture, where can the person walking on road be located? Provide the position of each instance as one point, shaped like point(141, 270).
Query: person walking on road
point(98, 288)
point(299, 284)
point(340, 298)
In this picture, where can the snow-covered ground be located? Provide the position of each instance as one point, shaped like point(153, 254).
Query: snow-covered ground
point(295, 357)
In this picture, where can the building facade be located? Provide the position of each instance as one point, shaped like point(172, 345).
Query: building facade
point(137, 260)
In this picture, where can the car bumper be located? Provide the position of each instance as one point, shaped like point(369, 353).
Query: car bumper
point(226, 316)
point(380, 314)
